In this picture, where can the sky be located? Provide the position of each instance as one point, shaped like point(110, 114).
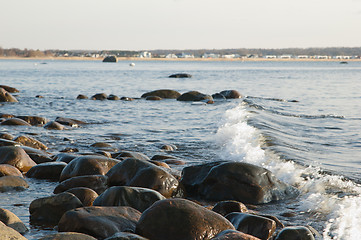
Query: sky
point(179, 24)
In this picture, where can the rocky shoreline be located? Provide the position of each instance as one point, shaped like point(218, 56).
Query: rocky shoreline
point(113, 194)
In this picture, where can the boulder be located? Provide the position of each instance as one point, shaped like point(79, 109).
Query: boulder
point(168, 147)
point(7, 233)
point(69, 121)
point(254, 225)
point(6, 136)
point(65, 157)
point(53, 125)
point(140, 173)
point(180, 75)
point(5, 96)
point(87, 165)
point(226, 207)
point(295, 233)
point(126, 236)
point(244, 182)
point(37, 155)
point(11, 220)
point(96, 182)
point(81, 96)
point(231, 94)
point(126, 154)
point(162, 93)
point(113, 97)
point(234, 235)
point(8, 170)
point(30, 142)
point(126, 99)
point(99, 96)
point(85, 195)
point(12, 183)
point(102, 146)
point(5, 142)
point(113, 59)
point(180, 219)
point(9, 89)
point(194, 96)
point(218, 96)
point(99, 222)
point(34, 120)
point(68, 236)
point(49, 170)
point(153, 98)
point(49, 210)
point(17, 157)
point(135, 197)
point(15, 122)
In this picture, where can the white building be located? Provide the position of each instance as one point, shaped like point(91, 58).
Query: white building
point(145, 55)
point(171, 55)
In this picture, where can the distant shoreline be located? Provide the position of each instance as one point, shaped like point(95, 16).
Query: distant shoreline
point(187, 59)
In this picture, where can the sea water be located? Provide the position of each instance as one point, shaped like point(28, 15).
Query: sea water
point(301, 120)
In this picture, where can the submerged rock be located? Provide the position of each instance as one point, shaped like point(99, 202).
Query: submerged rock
point(81, 96)
point(180, 75)
point(34, 120)
point(229, 94)
point(12, 183)
point(9, 89)
point(69, 121)
point(99, 96)
point(53, 125)
point(153, 98)
point(5, 96)
point(15, 122)
point(163, 93)
point(30, 142)
point(194, 96)
point(113, 59)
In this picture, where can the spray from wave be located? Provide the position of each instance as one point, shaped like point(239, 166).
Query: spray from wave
point(332, 197)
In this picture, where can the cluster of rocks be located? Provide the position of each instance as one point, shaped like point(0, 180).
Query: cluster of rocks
point(112, 194)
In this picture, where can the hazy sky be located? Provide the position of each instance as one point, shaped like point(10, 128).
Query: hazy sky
point(179, 24)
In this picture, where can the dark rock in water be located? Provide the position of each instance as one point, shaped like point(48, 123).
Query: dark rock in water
point(39, 96)
point(65, 157)
point(15, 122)
point(49, 210)
point(139, 173)
point(37, 155)
point(126, 236)
point(17, 157)
point(103, 146)
point(34, 120)
point(99, 222)
point(8, 170)
point(5, 115)
point(231, 94)
point(159, 164)
point(6, 136)
point(9, 89)
point(85, 195)
point(162, 93)
point(234, 235)
point(98, 183)
point(180, 219)
point(87, 165)
point(180, 75)
point(110, 59)
point(11, 220)
point(226, 207)
point(12, 183)
point(218, 96)
point(68, 236)
point(238, 181)
point(257, 226)
point(50, 171)
point(5, 96)
point(69, 121)
point(153, 98)
point(127, 154)
point(99, 96)
point(295, 233)
point(69, 150)
point(9, 233)
point(53, 125)
point(169, 147)
point(126, 99)
point(113, 97)
point(194, 96)
point(30, 142)
point(81, 96)
point(4, 142)
point(135, 197)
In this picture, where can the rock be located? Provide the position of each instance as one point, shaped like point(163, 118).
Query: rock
point(7, 233)
point(226, 207)
point(34, 120)
point(238, 181)
point(135, 197)
point(180, 75)
point(162, 157)
point(169, 147)
point(126, 236)
point(12, 183)
point(257, 226)
point(8, 170)
point(99, 96)
point(194, 96)
point(49, 170)
point(180, 219)
point(127, 154)
point(65, 157)
point(85, 195)
point(295, 233)
point(139, 173)
point(96, 182)
point(5, 142)
point(5, 96)
point(113, 97)
point(69, 150)
point(9, 89)
point(231, 94)
point(11, 220)
point(68, 236)
point(69, 121)
point(218, 96)
point(159, 164)
point(126, 99)
point(87, 165)
point(15, 122)
point(162, 93)
point(39, 96)
point(103, 146)
point(30, 142)
point(17, 157)
point(6, 136)
point(110, 59)
point(49, 210)
point(99, 222)
point(81, 96)
point(153, 98)
point(234, 235)
point(53, 125)
point(37, 155)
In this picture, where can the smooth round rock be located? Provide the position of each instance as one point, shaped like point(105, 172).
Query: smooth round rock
point(11, 220)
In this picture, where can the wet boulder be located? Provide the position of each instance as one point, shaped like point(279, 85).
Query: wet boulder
point(15, 122)
point(30, 142)
point(99, 96)
point(37, 155)
point(69, 121)
point(140, 173)
point(180, 219)
point(162, 93)
point(168, 147)
point(49, 210)
point(218, 96)
point(17, 157)
point(234, 235)
point(238, 181)
point(85, 195)
point(49, 171)
point(9, 89)
point(34, 120)
point(87, 165)
point(228, 94)
point(113, 97)
point(153, 98)
point(12, 183)
point(65, 157)
point(9, 233)
point(194, 96)
point(5, 142)
point(135, 197)
point(180, 75)
point(11, 220)
point(99, 222)
point(295, 233)
point(254, 225)
point(5, 96)
point(126, 236)
point(98, 183)
point(226, 207)
point(8, 170)
point(112, 59)
point(81, 96)
point(53, 125)
point(68, 236)
point(6, 136)
point(127, 154)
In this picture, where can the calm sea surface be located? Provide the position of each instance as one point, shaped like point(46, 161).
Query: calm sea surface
point(301, 120)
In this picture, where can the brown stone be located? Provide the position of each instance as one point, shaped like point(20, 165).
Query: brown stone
point(15, 122)
point(17, 157)
point(226, 207)
point(34, 120)
point(7, 233)
point(85, 195)
point(11, 220)
point(9, 89)
point(13, 183)
point(68, 236)
point(162, 93)
point(5, 96)
point(49, 170)
point(52, 125)
point(234, 235)
point(8, 170)
point(96, 182)
point(30, 142)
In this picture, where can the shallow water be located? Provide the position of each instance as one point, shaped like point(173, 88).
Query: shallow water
point(299, 119)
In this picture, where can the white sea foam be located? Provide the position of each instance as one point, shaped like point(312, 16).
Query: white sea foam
point(331, 196)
